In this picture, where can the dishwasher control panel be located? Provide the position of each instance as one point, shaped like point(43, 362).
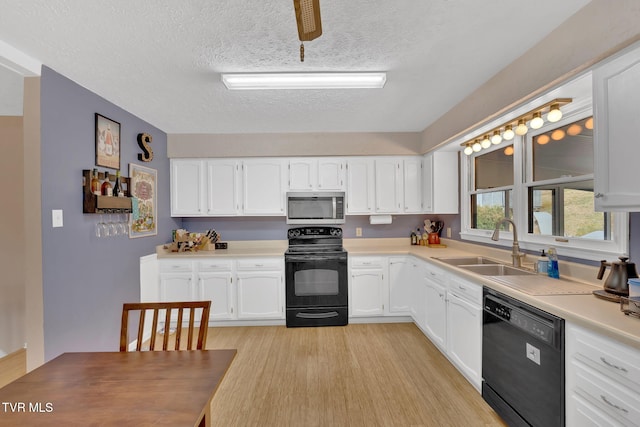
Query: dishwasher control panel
point(528, 322)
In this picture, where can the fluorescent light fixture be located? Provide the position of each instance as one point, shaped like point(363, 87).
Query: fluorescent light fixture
point(304, 81)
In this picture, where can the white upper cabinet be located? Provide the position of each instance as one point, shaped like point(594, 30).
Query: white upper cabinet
point(187, 187)
point(440, 193)
point(313, 174)
point(223, 187)
point(388, 185)
point(412, 185)
point(263, 184)
point(257, 186)
point(616, 96)
point(360, 185)
point(331, 173)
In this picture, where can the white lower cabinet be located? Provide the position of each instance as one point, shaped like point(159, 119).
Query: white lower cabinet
point(464, 328)
point(402, 276)
point(366, 286)
point(218, 287)
point(435, 311)
point(176, 281)
point(239, 289)
point(260, 295)
point(602, 380)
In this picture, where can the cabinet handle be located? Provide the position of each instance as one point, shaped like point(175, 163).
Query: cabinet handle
point(598, 195)
point(605, 400)
point(259, 265)
point(611, 365)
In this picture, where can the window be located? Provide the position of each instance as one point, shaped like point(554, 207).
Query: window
point(560, 198)
point(543, 181)
point(493, 182)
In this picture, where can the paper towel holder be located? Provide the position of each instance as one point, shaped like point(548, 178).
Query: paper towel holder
point(380, 219)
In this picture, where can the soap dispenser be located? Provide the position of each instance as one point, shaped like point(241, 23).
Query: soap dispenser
point(542, 263)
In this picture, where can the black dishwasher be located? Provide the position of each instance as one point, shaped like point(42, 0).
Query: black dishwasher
point(522, 362)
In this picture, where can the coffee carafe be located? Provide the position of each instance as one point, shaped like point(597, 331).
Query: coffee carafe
point(621, 271)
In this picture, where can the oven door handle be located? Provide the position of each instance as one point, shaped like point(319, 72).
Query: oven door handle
point(326, 315)
point(305, 258)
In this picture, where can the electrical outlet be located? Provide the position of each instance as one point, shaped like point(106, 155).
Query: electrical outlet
point(448, 232)
point(358, 231)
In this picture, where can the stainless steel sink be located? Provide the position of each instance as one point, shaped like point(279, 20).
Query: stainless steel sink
point(468, 260)
point(496, 270)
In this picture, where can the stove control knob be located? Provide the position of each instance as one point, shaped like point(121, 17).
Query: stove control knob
point(294, 232)
point(336, 232)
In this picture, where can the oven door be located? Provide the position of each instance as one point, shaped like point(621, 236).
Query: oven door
point(316, 280)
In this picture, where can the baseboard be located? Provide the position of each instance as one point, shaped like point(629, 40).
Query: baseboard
point(13, 366)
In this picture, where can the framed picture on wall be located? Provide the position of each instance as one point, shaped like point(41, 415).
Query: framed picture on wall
point(107, 142)
point(143, 188)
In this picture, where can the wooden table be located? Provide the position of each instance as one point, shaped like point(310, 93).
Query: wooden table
point(139, 388)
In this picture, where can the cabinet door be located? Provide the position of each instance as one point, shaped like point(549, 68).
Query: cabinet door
point(388, 184)
point(260, 295)
point(187, 187)
point(360, 185)
point(401, 279)
point(302, 174)
point(217, 287)
point(440, 182)
point(616, 96)
point(412, 174)
point(331, 174)
point(366, 295)
point(223, 187)
point(176, 287)
point(263, 187)
point(435, 312)
point(464, 337)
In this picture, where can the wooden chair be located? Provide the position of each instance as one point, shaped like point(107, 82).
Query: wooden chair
point(169, 308)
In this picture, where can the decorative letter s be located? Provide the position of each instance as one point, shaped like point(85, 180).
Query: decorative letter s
point(144, 139)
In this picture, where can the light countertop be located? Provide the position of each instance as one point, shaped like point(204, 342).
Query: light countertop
point(600, 316)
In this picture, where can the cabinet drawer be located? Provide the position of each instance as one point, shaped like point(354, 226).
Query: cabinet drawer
point(466, 290)
point(215, 265)
point(587, 415)
point(608, 395)
point(175, 266)
point(367, 262)
point(261, 264)
point(435, 275)
point(615, 360)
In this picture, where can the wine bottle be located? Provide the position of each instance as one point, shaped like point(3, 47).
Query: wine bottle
point(106, 189)
point(117, 187)
point(95, 183)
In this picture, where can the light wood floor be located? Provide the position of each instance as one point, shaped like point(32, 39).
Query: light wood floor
point(358, 375)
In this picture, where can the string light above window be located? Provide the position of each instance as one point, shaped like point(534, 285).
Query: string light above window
point(518, 126)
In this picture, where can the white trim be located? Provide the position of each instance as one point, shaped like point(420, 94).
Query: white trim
point(18, 62)
point(594, 250)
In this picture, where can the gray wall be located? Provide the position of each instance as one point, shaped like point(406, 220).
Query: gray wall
point(275, 228)
point(86, 279)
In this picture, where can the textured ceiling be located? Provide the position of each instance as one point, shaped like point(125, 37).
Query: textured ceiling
point(161, 60)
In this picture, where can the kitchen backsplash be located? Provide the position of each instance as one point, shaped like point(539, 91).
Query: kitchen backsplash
point(275, 228)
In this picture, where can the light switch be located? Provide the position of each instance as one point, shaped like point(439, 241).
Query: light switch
point(56, 217)
point(358, 232)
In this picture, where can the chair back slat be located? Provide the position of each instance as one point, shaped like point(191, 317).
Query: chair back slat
point(179, 330)
point(191, 307)
point(140, 330)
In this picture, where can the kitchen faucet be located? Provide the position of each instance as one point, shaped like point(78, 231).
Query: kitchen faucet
point(516, 255)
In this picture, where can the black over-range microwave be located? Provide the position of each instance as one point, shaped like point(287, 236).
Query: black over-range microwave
point(315, 207)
